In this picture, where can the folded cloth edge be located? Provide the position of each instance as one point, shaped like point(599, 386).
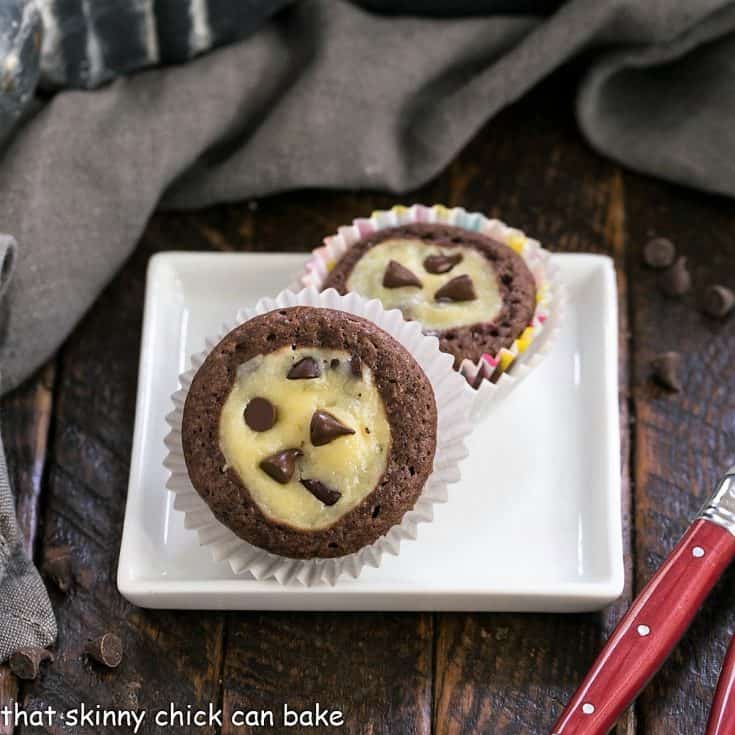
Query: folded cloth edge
point(610, 137)
point(25, 609)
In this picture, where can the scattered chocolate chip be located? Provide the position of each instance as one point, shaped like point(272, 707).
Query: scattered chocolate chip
point(26, 662)
point(665, 369)
point(305, 369)
point(260, 414)
point(398, 276)
point(281, 465)
point(659, 253)
point(321, 491)
point(441, 263)
point(334, 364)
point(356, 366)
point(326, 428)
point(460, 288)
point(58, 568)
point(107, 650)
point(717, 301)
point(676, 280)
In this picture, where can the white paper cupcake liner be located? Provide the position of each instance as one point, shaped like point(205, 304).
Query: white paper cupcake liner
point(453, 403)
point(493, 376)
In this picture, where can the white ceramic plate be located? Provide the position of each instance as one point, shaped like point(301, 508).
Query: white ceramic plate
point(534, 524)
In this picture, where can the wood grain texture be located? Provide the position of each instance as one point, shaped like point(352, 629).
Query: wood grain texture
point(512, 674)
point(26, 415)
point(375, 668)
point(683, 441)
point(8, 695)
point(169, 657)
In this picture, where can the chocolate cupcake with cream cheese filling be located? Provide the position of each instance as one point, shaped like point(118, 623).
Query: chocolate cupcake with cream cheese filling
point(474, 293)
point(309, 432)
point(492, 295)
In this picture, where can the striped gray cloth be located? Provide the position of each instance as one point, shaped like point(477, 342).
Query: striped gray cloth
point(87, 44)
point(26, 617)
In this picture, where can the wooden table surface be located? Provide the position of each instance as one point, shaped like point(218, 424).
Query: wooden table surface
point(68, 434)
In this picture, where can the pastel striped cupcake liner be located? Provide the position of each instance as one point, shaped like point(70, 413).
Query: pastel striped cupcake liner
point(492, 376)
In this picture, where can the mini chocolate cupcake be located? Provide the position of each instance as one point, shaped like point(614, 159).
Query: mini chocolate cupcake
point(477, 295)
point(309, 432)
point(491, 294)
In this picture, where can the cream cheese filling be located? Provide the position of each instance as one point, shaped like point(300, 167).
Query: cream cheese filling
point(352, 465)
point(419, 303)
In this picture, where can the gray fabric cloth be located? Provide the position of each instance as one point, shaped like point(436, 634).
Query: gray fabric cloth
point(327, 94)
point(26, 617)
point(330, 95)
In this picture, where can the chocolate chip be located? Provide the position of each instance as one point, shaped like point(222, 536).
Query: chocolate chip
point(676, 280)
point(659, 253)
point(717, 301)
point(26, 662)
point(321, 491)
point(398, 276)
point(106, 650)
point(460, 288)
point(334, 364)
point(356, 366)
point(260, 414)
point(665, 369)
point(326, 428)
point(58, 568)
point(305, 369)
point(281, 465)
point(441, 263)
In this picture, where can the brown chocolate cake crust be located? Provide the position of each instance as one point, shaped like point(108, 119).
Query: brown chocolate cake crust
point(515, 282)
point(410, 410)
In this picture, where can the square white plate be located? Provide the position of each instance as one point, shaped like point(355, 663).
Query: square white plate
point(534, 524)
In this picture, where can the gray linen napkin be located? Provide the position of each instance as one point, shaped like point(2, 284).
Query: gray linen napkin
point(26, 618)
point(328, 94)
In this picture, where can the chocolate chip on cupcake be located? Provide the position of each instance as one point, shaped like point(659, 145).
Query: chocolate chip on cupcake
point(309, 432)
point(477, 295)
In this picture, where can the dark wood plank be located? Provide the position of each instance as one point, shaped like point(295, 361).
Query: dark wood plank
point(511, 674)
point(8, 695)
point(26, 414)
point(169, 657)
point(683, 441)
point(376, 669)
point(616, 235)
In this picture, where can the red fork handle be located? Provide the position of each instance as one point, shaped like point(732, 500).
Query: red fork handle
point(722, 714)
point(649, 630)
